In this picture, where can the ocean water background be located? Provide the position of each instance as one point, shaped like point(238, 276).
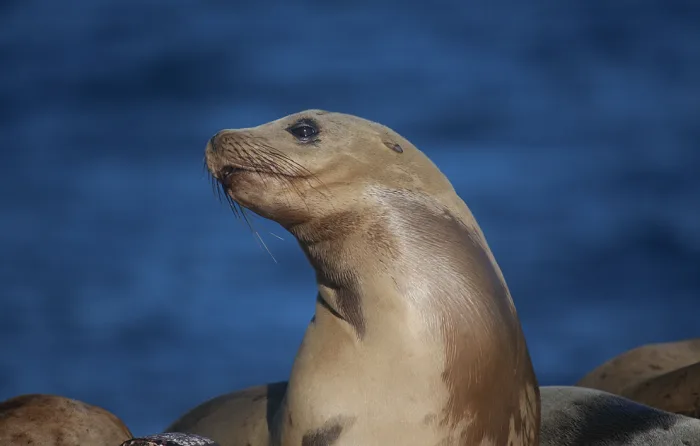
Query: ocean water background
point(570, 128)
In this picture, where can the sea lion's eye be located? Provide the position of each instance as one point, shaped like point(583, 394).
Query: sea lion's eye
point(303, 130)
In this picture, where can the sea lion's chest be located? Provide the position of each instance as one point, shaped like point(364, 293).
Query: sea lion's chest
point(374, 393)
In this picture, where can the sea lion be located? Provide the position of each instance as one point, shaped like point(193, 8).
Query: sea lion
point(577, 416)
point(236, 418)
point(677, 391)
point(415, 338)
point(171, 439)
point(665, 376)
point(50, 420)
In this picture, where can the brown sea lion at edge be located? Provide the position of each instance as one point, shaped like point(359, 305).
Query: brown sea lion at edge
point(664, 375)
point(50, 420)
point(415, 338)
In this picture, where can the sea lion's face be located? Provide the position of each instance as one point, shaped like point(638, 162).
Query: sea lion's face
point(296, 168)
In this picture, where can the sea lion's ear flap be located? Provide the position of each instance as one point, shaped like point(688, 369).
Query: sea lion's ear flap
point(393, 146)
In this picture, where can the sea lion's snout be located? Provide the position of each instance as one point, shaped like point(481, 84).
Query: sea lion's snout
point(227, 140)
point(215, 142)
point(223, 142)
point(215, 157)
point(209, 154)
point(210, 145)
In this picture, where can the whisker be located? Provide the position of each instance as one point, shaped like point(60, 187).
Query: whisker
point(216, 188)
point(271, 166)
point(299, 170)
point(212, 180)
point(245, 216)
point(253, 162)
point(250, 160)
point(266, 160)
point(301, 173)
point(293, 168)
point(235, 207)
point(279, 174)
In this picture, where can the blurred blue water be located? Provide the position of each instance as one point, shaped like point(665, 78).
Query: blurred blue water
point(570, 128)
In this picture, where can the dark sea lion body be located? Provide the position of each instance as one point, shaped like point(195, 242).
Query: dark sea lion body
point(577, 416)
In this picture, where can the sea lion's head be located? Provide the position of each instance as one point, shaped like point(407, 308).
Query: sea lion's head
point(294, 169)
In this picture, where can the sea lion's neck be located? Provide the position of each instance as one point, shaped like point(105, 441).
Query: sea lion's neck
point(402, 252)
point(410, 302)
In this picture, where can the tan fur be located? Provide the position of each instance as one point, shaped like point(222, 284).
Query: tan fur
point(236, 418)
point(415, 340)
point(677, 391)
point(47, 420)
point(665, 376)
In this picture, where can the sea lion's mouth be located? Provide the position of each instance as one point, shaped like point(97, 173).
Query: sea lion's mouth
point(227, 173)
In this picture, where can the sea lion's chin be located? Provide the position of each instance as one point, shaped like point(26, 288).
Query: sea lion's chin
point(246, 197)
point(266, 203)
